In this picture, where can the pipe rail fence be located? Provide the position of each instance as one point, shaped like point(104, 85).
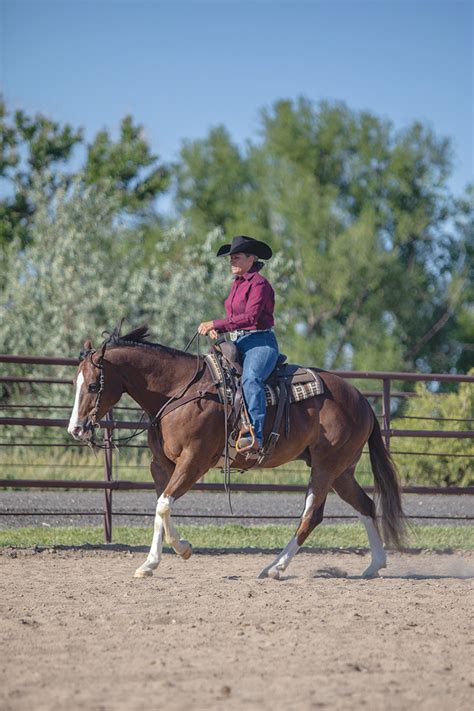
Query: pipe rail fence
point(109, 424)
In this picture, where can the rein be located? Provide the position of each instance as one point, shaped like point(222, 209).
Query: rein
point(98, 387)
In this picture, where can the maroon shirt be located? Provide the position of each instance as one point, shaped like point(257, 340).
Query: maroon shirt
point(250, 304)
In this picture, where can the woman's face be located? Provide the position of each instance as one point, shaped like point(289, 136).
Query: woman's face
point(241, 263)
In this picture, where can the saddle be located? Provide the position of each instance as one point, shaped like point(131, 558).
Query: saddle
point(287, 383)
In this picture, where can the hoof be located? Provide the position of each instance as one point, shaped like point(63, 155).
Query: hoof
point(143, 573)
point(187, 553)
point(272, 572)
point(373, 570)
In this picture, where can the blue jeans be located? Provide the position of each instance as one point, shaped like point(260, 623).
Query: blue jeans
point(259, 351)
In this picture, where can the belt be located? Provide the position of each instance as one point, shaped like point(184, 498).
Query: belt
point(234, 335)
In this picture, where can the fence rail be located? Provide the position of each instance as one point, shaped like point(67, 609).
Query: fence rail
point(109, 424)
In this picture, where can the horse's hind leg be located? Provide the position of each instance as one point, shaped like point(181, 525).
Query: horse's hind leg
point(349, 490)
point(311, 517)
point(161, 471)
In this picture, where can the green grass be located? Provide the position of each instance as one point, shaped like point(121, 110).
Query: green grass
point(234, 536)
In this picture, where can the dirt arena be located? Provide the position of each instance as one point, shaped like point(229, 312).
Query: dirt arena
point(78, 632)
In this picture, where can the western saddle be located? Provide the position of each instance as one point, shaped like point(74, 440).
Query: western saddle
point(287, 383)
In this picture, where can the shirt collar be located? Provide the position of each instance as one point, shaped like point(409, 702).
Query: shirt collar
point(248, 275)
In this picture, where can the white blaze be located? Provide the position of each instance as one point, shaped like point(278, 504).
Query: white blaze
point(73, 422)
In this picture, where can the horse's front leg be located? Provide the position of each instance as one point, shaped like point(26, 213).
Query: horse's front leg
point(161, 470)
point(187, 472)
point(179, 545)
point(154, 556)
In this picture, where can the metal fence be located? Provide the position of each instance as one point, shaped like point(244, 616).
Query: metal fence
point(110, 424)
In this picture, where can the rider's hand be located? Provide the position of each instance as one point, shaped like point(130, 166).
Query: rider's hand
point(205, 327)
point(213, 334)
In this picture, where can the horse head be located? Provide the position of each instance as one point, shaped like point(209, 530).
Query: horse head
point(98, 388)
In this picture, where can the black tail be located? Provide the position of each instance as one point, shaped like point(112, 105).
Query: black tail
point(387, 488)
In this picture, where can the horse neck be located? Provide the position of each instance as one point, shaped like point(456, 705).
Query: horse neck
point(151, 376)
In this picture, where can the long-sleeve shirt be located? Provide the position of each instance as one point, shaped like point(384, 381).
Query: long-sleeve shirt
point(250, 304)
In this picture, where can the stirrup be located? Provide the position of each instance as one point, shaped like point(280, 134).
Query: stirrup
point(246, 444)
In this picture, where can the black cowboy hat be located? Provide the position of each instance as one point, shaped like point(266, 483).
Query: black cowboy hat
point(247, 245)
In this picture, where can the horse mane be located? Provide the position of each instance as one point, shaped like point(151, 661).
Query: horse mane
point(140, 336)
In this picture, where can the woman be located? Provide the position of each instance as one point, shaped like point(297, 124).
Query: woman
point(249, 308)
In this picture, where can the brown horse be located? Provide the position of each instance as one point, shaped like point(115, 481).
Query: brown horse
point(328, 432)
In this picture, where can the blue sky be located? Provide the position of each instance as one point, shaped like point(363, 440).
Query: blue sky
point(181, 67)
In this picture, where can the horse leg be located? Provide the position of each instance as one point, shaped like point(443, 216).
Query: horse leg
point(349, 490)
point(179, 545)
point(184, 476)
point(310, 518)
point(161, 471)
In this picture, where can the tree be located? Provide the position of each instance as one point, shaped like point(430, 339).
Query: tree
point(454, 466)
point(210, 178)
point(126, 167)
point(365, 215)
point(28, 147)
point(36, 147)
point(83, 272)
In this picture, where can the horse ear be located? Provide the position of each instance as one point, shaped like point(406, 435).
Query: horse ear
point(88, 345)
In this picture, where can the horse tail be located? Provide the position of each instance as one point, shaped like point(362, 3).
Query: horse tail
point(387, 488)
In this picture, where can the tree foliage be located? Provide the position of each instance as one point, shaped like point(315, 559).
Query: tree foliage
point(444, 461)
point(374, 266)
point(33, 147)
point(83, 272)
point(364, 213)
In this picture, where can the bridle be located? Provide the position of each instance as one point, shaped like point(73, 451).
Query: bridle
point(96, 387)
point(99, 385)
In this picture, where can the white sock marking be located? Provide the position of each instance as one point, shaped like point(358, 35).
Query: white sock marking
point(379, 557)
point(154, 556)
point(171, 534)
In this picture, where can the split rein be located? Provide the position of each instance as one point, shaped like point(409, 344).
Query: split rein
point(98, 387)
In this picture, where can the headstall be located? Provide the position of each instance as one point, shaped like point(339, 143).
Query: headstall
point(97, 387)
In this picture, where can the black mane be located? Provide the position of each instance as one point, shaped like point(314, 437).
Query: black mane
point(140, 336)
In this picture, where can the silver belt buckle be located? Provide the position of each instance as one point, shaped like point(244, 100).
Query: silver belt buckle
point(233, 335)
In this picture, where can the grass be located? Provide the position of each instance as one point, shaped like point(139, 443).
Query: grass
point(240, 537)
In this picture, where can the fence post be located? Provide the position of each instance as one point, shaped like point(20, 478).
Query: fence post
point(108, 477)
point(386, 411)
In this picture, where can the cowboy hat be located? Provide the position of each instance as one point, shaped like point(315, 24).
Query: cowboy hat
point(247, 245)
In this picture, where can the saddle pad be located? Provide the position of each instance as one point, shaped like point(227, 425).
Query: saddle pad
point(297, 391)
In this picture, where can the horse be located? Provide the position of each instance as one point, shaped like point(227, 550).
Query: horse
point(187, 433)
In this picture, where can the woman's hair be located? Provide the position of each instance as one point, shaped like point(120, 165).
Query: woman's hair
point(256, 262)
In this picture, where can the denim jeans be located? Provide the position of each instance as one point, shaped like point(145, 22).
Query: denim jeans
point(259, 351)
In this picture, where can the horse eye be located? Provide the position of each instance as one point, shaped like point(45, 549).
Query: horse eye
point(93, 388)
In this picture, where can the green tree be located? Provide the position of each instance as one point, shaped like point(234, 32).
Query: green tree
point(126, 167)
point(29, 147)
point(83, 271)
point(364, 213)
point(33, 147)
point(210, 178)
point(461, 318)
point(454, 466)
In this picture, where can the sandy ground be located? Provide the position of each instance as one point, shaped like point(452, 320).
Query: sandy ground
point(78, 632)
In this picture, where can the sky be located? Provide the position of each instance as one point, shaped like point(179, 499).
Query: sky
point(182, 66)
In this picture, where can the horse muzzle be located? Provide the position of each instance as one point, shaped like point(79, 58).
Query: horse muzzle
point(82, 431)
